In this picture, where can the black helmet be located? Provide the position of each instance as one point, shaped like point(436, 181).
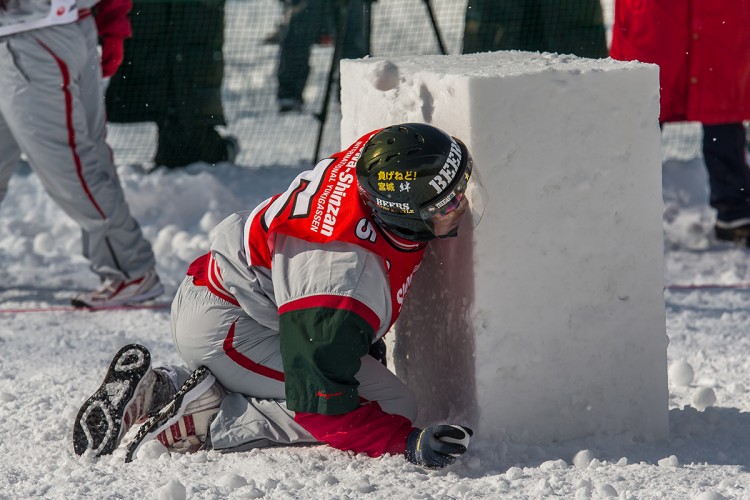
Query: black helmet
point(409, 172)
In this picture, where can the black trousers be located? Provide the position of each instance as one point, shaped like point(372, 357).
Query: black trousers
point(180, 145)
point(308, 20)
point(562, 26)
point(724, 151)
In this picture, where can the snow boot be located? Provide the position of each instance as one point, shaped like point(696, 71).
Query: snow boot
point(182, 424)
point(118, 292)
point(128, 392)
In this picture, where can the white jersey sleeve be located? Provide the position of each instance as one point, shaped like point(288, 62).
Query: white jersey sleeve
point(303, 269)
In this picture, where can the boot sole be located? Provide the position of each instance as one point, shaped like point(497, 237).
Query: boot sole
point(198, 383)
point(99, 424)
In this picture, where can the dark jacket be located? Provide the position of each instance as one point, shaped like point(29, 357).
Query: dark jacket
point(173, 67)
point(561, 26)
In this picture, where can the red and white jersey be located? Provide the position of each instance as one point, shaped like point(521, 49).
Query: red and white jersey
point(314, 242)
point(322, 206)
point(311, 264)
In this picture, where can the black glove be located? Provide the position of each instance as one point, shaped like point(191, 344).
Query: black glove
point(428, 448)
point(378, 351)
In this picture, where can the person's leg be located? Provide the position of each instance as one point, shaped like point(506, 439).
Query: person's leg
point(724, 151)
point(294, 54)
point(237, 387)
point(244, 423)
point(245, 358)
point(572, 27)
point(120, 244)
point(355, 45)
point(243, 355)
point(530, 27)
point(513, 25)
point(12, 80)
point(71, 163)
point(472, 23)
point(202, 415)
point(195, 71)
point(10, 153)
point(180, 145)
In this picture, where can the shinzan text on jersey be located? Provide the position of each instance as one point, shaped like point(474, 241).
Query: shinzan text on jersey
point(330, 200)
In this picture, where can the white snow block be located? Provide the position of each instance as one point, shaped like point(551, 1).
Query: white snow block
point(547, 322)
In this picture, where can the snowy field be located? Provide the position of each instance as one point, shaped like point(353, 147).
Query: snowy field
point(51, 361)
point(52, 358)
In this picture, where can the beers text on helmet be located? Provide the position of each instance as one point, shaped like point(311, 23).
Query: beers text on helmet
point(416, 180)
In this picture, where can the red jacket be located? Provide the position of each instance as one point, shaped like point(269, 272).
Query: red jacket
point(702, 48)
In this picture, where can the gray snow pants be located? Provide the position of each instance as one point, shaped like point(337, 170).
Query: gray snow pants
point(245, 357)
point(52, 110)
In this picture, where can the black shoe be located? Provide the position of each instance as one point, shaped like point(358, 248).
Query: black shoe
point(737, 231)
point(123, 398)
point(275, 37)
point(233, 148)
point(290, 105)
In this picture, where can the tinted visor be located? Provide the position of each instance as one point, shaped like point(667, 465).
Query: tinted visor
point(443, 215)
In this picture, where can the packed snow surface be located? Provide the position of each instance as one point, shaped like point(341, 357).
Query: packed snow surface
point(51, 361)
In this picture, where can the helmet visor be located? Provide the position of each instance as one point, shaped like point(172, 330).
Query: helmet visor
point(443, 215)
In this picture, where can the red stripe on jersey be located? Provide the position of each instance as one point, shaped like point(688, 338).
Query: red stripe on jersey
point(162, 437)
point(246, 362)
point(334, 302)
point(69, 123)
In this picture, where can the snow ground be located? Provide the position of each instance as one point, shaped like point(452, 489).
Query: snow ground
point(51, 361)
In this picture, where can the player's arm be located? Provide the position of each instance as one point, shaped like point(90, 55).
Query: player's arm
point(330, 309)
point(326, 327)
point(322, 389)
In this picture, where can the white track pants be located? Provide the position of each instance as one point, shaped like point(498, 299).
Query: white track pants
point(52, 109)
point(245, 357)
